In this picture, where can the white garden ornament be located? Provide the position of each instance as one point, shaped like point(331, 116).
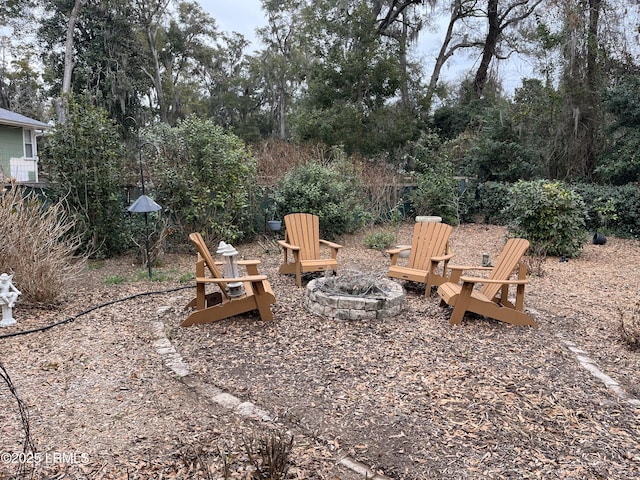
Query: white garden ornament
point(8, 296)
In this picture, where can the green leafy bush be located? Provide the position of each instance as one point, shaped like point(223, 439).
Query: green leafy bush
point(612, 209)
point(85, 162)
point(619, 162)
point(627, 223)
point(598, 196)
point(503, 158)
point(204, 179)
point(548, 214)
point(437, 191)
point(436, 195)
point(379, 240)
point(492, 200)
point(332, 192)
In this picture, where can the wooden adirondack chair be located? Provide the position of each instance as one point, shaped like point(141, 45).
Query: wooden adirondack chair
point(302, 243)
point(429, 249)
point(492, 300)
point(218, 305)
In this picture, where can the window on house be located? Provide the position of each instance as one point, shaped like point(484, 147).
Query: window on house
point(28, 144)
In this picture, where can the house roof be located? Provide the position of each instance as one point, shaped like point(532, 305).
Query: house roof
point(8, 117)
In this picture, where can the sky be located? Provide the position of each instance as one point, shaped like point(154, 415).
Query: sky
point(244, 16)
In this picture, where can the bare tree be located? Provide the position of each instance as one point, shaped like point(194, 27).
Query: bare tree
point(68, 59)
point(499, 20)
point(281, 56)
point(150, 14)
point(460, 9)
point(462, 13)
point(396, 20)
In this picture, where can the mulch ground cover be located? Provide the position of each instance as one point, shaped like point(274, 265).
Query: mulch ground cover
point(410, 396)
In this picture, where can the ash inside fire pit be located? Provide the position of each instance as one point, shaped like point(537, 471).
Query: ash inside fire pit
point(353, 295)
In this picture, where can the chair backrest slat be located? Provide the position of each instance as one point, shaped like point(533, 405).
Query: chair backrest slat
point(205, 254)
point(509, 258)
point(303, 230)
point(430, 239)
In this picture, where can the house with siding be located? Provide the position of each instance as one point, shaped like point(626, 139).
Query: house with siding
point(18, 147)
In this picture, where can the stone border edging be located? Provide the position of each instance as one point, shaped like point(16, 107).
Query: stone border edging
point(174, 361)
point(588, 364)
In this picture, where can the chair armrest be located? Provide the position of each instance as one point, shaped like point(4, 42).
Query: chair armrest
point(486, 280)
point(468, 267)
point(330, 244)
point(442, 258)
point(248, 262)
point(248, 278)
point(284, 244)
point(396, 251)
point(456, 271)
point(250, 265)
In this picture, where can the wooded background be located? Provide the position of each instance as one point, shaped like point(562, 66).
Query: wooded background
point(339, 75)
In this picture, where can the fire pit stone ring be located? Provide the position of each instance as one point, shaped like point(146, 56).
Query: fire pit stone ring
point(373, 297)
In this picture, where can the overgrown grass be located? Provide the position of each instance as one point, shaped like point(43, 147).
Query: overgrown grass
point(37, 246)
point(187, 277)
point(157, 275)
point(114, 280)
point(95, 264)
point(269, 456)
point(630, 327)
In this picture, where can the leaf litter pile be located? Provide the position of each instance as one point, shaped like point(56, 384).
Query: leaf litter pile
point(355, 283)
point(411, 396)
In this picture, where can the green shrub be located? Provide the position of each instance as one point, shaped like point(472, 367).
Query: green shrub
point(548, 214)
point(204, 178)
point(37, 247)
point(437, 191)
point(85, 161)
point(379, 240)
point(436, 194)
point(627, 223)
point(332, 192)
point(503, 159)
point(492, 200)
point(612, 209)
point(599, 200)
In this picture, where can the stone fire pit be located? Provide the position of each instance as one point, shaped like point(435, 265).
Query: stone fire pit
point(354, 296)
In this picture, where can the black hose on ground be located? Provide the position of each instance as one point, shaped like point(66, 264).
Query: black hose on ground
point(71, 319)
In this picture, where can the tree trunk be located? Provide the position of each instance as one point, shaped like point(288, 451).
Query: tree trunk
point(445, 52)
point(157, 75)
point(591, 84)
point(489, 49)
point(150, 14)
point(282, 110)
point(68, 60)
point(404, 91)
